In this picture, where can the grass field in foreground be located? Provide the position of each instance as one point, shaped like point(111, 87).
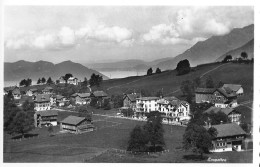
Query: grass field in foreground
point(110, 133)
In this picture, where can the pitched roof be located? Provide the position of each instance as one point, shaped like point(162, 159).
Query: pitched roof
point(72, 78)
point(24, 98)
point(233, 87)
point(230, 129)
point(217, 109)
point(33, 89)
point(205, 90)
point(73, 120)
point(59, 97)
point(48, 88)
point(42, 98)
point(16, 91)
point(133, 96)
point(84, 95)
point(226, 94)
point(148, 98)
point(99, 94)
point(47, 113)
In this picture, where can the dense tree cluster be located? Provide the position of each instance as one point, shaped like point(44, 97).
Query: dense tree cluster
point(95, 80)
point(227, 59)
point(117, 100)
point(84, 112)
point(158, 71)
point(150, 71)
point(49, 81)
point(183, 67)
point(149, 137)
point(127, 112)
point(41, 80)
point(26, 82)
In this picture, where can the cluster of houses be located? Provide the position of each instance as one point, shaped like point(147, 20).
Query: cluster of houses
point(230, 135)
point(46, 100)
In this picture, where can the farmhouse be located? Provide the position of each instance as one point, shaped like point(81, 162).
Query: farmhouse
point(42, 102)
point(61, 100)
point(234, 88)
point(47, 90)
point(48, 117)
point(76, 124)
point(174, 109)
point(81, 98)
point(233, 115)
point(31, 92)
point(62, 80)
point(229, 138)
point(100, 95)
point(73, 80)
point(130, 100)
point(217, 96)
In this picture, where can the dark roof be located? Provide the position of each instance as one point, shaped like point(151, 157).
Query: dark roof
point(42, 98)
point(59, 97)
point(148, 98)
point(231, 129)
point(216, 110)
point(33, 89)
point(226, 94)
point(205, 90)
point(84, 95)
point(99, 94)
point(132, 97)
point(24, 98)
point(233, 87)
point(48, 88)
point(73, 120)
point(47, 113)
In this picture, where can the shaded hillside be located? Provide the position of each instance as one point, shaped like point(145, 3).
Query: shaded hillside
point(236, 53)
point(23, 69)
point(169, 82)
point(212, 48)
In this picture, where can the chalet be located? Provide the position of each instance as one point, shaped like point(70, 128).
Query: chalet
point(48, 117)
point(233, 115)
point(238, 89)
point(129, 100)
point(73, 80)
point(62, 80)
point(15, 92)
point(81, 98)
point(173, 109)
point(76, 124)
point(47, 90)
point(217, 96)
point(229, 138)
point(61, 100)
point(42, 102)
point(19, 102)
point(100, 95)
point(31, 92)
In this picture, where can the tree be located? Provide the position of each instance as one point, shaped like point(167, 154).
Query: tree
point(49, 81)
point(244, 55)
point(43, 80)
point(216, 118)
point(154, 130)
point(84, 112)
point(137, 141)
point(85, 82)
point(22, 123)
point(39, 81)
point(198, 139)
point(183, 67)
point(197, 82)
point(117, 100)
point(145, 92)
point(127, 112)
point(227, 58)
point(150, 71)
point(93, 102)
point(187, 87)
point(209, 82)
point(158, 70)
point(25, 82)
point(50, 130)
point(28, 106)
point(189, 97)
point(67, 76)
point(22, 83)
point(95, 80)
point(106, 104)
point(220, 84)
point(57, 81)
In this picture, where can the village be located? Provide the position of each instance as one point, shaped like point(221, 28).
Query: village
point(230, 137)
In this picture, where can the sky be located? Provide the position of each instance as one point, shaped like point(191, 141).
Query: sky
point(88, 34)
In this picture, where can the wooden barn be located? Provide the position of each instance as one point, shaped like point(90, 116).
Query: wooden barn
point(76, 125)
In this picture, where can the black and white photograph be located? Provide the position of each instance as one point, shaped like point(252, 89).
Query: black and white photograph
point(128, 84)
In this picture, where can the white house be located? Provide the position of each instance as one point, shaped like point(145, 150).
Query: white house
point(73, 80)
point(42, 102)
point(174, 110)
point(146, 104)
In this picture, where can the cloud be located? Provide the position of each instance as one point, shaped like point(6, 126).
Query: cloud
point(67, 37)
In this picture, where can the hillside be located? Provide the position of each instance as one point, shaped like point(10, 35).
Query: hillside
point(212, 48)
point(169, 82)
point(248, 48)
point(34, 70)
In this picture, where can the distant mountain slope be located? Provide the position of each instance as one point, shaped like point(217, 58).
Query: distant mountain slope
point(212, 48)
point(34, 70)
point(248, 48)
